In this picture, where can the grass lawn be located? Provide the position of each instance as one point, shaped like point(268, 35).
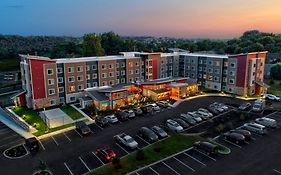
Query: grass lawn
point(71, 112)
point(32, 118)
point(153, 153)
point(274, 88)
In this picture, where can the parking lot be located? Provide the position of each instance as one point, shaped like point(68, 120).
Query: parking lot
point(8, 137)
point(261, 155)
point(71, 153)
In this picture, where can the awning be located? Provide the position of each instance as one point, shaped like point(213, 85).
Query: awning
point(18, 94)
point(260, 83)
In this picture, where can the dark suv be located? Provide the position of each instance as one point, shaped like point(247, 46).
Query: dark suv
point(122, 116)
point(147, 134)
point(83, 128)
point(206, 147)
point(102, 121)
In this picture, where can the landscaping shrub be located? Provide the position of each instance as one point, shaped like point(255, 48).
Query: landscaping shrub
point(271, 82)
point(140, 155)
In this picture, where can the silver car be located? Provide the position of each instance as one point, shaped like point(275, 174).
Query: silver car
point(256, 128)
point(268, 122)
point(174, 126)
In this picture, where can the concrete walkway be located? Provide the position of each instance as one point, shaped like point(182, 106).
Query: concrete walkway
point(5, 118)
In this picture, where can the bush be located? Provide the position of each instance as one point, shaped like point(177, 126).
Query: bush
point(271, 82)
point(140, 155)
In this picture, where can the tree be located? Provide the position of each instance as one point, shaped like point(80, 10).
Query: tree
point(275, 71)
point(92, 45)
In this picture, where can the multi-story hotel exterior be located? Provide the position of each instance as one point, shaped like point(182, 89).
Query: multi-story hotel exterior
point(47, 82)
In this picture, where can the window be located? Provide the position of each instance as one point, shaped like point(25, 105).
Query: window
point(110, 66)
point(225, 64)
point(122, 80)
point(225, 72)
point(232, 65)
point(199, 75)
point(88, 77)
point(136, 78)
point(232, 73)
point(217, 71)
point(62, 100)
point(117, 65)
point(137, 71)
point(130, 79)
point(118, 81)
point(216, 78)
point(200, 68)
point(210, 62)
point(80, 78)
point(95, 84)
point(88, 67)
point(192, 68)
point(122, 72)
point(131, 72)
point(95, 76)
point(88, 85)
point(52, 102)
point(60, 80)
point(111, 74)
point(200, 61)
point(224, 79)
point(51, 81)
point(80, 87)
point(111, 82)
point(70, 69)
point(104, 83)
point(72, 99)
point(231, 81)
point(137, 63)
point(71, 79)
point(254, 65)
point(71, 88)
point(103, 75)
point(117, 73)
point(217, 63)
point(51, 91)
point(79, 69)
point(122, 64)
point(61, 89)
point(94, 67)
point(59, 70)
point(210, 78)
point(50, 71)
point(210, 70)
point(103, 66)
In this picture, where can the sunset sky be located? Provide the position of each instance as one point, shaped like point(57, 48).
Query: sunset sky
point(174, 18)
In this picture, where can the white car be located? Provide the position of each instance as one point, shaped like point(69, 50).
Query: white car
point(268, 122)
point(256, 128)
point(127, 140)
point(154, 107)
point(131, 113)
point(174, 126)
point(203, 115)
point(272, 97)
point(205, 111)
point(195, 117)
point(111, 118)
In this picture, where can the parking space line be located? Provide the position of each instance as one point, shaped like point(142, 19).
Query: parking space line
point(78, 133)
point(137, 173)
point(66, 136)
point(98, 158)
point(279, 172)
point(252, 138)
point(41, 144)
point(170, 168)
point(184, 164)
point(68, 168)
point(153, 170)
point(99, 126)
point(143, 140)
point(205, 154)
point(84, 164)
point(195, 159)
point(55, 141)
point(122, 148)
point(232, 143)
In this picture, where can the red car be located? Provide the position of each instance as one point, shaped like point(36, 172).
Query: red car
point(106, 154)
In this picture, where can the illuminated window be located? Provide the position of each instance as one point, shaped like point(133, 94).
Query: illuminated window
point(71, 88)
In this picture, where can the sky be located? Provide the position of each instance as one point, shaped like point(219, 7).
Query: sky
point(160, 18)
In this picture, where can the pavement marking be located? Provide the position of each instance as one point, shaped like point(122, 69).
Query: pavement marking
point(78, 133)
point(99, 126)
point(279, 172)
point(143, 140)
point(232, 143)
point(195, 159)
point(170, 168)
point(98, 158)
point(41, 144)
point(55, 141)
point(205, 155)
point(247, 142)
point(122, 148)
point(184, 164)
point(84, 164)
point(137, 173)
point(252, 138)
point(154, 170)
point(66, 136)
point(68, 168)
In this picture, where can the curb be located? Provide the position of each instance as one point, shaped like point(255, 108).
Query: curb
point(8, 157)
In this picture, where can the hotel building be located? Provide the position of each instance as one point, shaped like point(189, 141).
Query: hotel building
point(108, 80)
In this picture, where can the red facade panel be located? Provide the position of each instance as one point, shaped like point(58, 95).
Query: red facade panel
point(242, 71)
point(37, 78)
point(155, 69)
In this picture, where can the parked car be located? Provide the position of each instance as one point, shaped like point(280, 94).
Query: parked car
point(188, 119)
point(206, 147)
point(106, 154)
point(202, 115)
point(259, 105)
point(174, 126)
point(244, 132)
point(83, 128)
point(234, 137)
point(130, 113)
point(245, 106)
point(126, 140)
point(32, 144)
point(181, 122)
point(268, 122)
point(272, 97)
point(195, 117)
point(122, 116)
point(137, 111)
point(102, 121)
point(256, 128)
point(111, 119)
point(159, 131)
point(206, 111)
point(163, 104)
point(213, 109)
point(154, 107)
point(147, 134)
point(147, 110)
